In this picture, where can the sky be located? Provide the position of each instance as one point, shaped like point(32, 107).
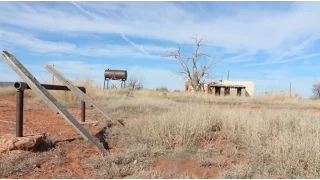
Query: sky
point(269, 43)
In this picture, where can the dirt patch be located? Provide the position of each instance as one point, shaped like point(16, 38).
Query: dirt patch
point(186, 168)
point(209, 160)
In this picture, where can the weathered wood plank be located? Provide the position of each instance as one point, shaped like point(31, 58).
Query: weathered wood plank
point(79, 93)
point(49, 99)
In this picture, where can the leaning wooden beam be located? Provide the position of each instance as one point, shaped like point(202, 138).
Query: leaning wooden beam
point(49, 99)
point(79, 93)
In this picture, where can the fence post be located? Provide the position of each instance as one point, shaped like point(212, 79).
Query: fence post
point(83, 108)
point(19, 113)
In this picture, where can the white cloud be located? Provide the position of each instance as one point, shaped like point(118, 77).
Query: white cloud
point(244, 57)
point(297, 58)
point(8, 74)
point(246, 28)
point(135, 45)
point(35, 44)
point(156, 77)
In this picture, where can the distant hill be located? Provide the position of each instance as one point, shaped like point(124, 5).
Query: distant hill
point(6, 83)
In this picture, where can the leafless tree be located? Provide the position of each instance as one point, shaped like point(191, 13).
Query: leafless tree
point(196, 67)
point(135, 83)
point(316, 89)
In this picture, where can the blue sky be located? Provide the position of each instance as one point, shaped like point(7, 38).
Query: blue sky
point(269, 43)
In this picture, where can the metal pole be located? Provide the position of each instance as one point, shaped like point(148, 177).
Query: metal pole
point(83, 108)
point(228, 76)
point(23, 86)
point(290, 88)
point(265, 75)
point(19, 113)
point(104, 83)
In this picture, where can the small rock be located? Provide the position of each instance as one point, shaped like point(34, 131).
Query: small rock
point(135, 162)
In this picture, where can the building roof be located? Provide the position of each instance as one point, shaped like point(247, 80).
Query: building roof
point(226, 85)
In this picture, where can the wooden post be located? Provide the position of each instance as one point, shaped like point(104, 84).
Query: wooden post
point(243, 92)
point(50, 100)
point(217, 91)
point(239, 90)
point(227, 91)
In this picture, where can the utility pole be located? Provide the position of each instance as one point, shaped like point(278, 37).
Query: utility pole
point(290, 88)
point(52, 76)
point(265, 81)
point(228, 76)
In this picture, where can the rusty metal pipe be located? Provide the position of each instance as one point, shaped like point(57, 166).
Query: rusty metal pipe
point(19, 113)
point(83, 109)
point(21, 85)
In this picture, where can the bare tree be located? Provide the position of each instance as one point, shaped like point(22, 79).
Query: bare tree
point(316, 89)
point(196, 67)
point(135, 83)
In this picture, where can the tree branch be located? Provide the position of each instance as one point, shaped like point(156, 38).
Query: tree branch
point(193, 62)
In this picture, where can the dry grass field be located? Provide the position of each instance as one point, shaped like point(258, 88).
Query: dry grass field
point(170, 135)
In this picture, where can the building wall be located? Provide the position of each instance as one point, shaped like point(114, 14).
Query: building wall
point(203, 87)
point(248, 84)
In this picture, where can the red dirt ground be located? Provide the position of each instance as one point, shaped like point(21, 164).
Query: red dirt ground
point(41, 119)
point(191, 168)
point(44, 120)
point(188, 168)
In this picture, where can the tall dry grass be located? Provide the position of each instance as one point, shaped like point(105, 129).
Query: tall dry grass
point(272, 100)
point(181, 125)
point(8, 91)
point(281, 144)
point(11, 91)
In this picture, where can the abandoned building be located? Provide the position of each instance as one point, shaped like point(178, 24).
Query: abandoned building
point(225, 87)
